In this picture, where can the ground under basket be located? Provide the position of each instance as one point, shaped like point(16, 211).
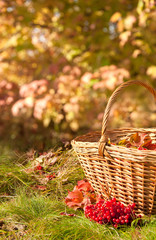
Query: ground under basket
point(127, 174)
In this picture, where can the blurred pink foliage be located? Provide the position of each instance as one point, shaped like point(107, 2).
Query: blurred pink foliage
point(111, 76)
point(8, 93)
point(66, 58)
point(69, 101)
point(34, 88)
point(65, 100)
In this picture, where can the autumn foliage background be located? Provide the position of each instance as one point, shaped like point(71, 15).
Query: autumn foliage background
point(61, 60)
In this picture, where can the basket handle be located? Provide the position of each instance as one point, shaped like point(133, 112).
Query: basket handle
point(103, 139)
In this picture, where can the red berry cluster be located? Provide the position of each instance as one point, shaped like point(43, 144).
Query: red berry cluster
point(141, 148)
point(38, 168)
point(110, 212)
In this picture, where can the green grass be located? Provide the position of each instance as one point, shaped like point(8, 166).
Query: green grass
point(41, 219)
point(12, 176)
point(27, 213)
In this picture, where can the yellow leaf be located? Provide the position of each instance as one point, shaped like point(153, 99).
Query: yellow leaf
point(115, 17)
point(151, 71)
point(129, 21)
point(46, 121)
point(120, 26)
point(135, 138)
point(74, 125)
point(122, 142)
point(124, 37)
point(136, 53)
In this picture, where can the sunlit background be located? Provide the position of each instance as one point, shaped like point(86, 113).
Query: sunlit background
point(61, 60)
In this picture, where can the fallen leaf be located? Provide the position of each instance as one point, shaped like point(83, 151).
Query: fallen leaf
point(85, 186)
point(68, 214)
point(74, 199)
point(91, 196)
point(29, 170)
point(41, 187)
point(53, 160)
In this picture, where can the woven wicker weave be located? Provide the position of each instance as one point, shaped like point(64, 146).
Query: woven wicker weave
point(127, 174)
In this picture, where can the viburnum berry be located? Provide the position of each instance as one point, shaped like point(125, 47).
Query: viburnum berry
point(38, 168)
point(111, 212)
point(142, 148)
point(50, 177)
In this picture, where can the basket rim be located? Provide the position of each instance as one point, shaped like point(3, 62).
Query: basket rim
point(111, 147)
point(148, 130)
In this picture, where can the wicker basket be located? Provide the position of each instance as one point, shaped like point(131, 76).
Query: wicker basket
point(127, 174)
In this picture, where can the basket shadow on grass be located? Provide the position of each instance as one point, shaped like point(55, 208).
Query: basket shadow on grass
point(26, 213)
